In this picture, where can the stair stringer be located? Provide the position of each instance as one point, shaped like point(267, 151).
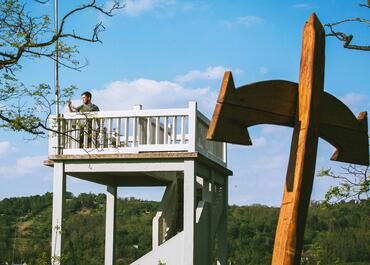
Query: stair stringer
point(170, 252)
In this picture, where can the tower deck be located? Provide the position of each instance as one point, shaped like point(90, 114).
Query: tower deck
point(159, 147)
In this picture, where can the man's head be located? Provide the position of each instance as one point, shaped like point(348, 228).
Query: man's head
point(86, 97)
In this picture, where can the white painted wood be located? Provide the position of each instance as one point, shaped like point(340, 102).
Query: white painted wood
point(101, 134)
point(224, 153)
point(85, 134)
point(138, 107)
point(174, 133)
point(163, 147)
point(210, 156)
point(157, 130)
point(90, 166)
point(94, 133)
point(222, 229)
point(69, 134)
point(182, 137)
point(126, 132)
point(77, 135)
point(165, 125)
point(110, 225)
point(59, 189)
point(118, 132)
point(148, 129)
point(52, 150)
point(189, 211)
point(192, 125)
point(134, 131)
point(110, 132)
point(128, 113)
point(170, 252)
point(156, 230)
point(144, 132)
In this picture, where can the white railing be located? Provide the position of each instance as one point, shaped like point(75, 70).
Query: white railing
point(134, 131)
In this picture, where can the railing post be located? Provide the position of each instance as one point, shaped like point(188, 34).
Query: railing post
point(192, 125)
point(136, 131)
point(53, 140)
point(224, 152)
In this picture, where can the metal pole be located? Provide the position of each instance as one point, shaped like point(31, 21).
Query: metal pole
point(57, 111)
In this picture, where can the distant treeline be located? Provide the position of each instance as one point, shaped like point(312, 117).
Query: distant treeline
point(338, 234)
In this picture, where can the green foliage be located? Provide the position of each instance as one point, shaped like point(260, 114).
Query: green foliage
point(354, 184)
point(337, 234)
point(25, 34)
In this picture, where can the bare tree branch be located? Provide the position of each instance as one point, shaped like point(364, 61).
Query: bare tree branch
point(23, 35)
point(348, 38)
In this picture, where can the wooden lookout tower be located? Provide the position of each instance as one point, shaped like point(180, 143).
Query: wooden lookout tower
point(139, 147)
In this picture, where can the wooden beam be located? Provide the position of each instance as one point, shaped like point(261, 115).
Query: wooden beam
point(301, 170)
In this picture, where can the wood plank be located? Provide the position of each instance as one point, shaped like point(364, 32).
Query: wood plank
point(298, 187)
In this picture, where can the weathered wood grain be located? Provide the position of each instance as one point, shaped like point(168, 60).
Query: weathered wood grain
point(298, 187)
point(312, 113)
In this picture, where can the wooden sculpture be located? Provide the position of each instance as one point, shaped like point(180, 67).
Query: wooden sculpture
point(312, 113)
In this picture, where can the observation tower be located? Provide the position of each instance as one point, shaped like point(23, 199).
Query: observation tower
point(141, 148)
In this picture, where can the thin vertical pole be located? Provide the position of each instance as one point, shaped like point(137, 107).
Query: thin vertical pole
point(56, 24)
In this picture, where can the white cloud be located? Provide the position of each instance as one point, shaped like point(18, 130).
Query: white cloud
point(263, 70)
point(302, 6)
point(137, 7)
point(211, 73)
point(259, 142)
point(27, 165)
point(245, 21)
point(188, 6)
point(123, 95)
point(355, 99)
point(6, 148)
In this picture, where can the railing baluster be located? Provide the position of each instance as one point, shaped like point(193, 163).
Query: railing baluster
point(62, 132)
point(165, 129)
point(182, 129)
point(109, 132)
point(174, 130)
point(67, 134)
point(126, 132)
point(77, 134)
point(85, 133)
point(118, 132)
point(148, 127)
point(133, 129)
point(157, 130)
point(70, 133)
point(93, 133)
point(101, 133)
point(134, 132)
point(140, 133)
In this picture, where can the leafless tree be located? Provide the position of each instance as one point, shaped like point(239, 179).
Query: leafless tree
point(347, 38)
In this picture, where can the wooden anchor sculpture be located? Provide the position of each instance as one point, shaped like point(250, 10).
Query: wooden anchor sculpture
point(312, 113)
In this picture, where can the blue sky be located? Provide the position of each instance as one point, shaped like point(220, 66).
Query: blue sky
point(163, 46)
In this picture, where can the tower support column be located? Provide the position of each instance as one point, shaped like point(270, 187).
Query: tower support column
point(189, 211)
point(59, 190)
point(110, 225)
point(222, 228)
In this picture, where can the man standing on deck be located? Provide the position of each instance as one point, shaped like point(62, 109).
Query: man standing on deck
point(87, 106)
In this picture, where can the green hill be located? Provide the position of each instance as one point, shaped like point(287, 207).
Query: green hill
point(336, 235)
